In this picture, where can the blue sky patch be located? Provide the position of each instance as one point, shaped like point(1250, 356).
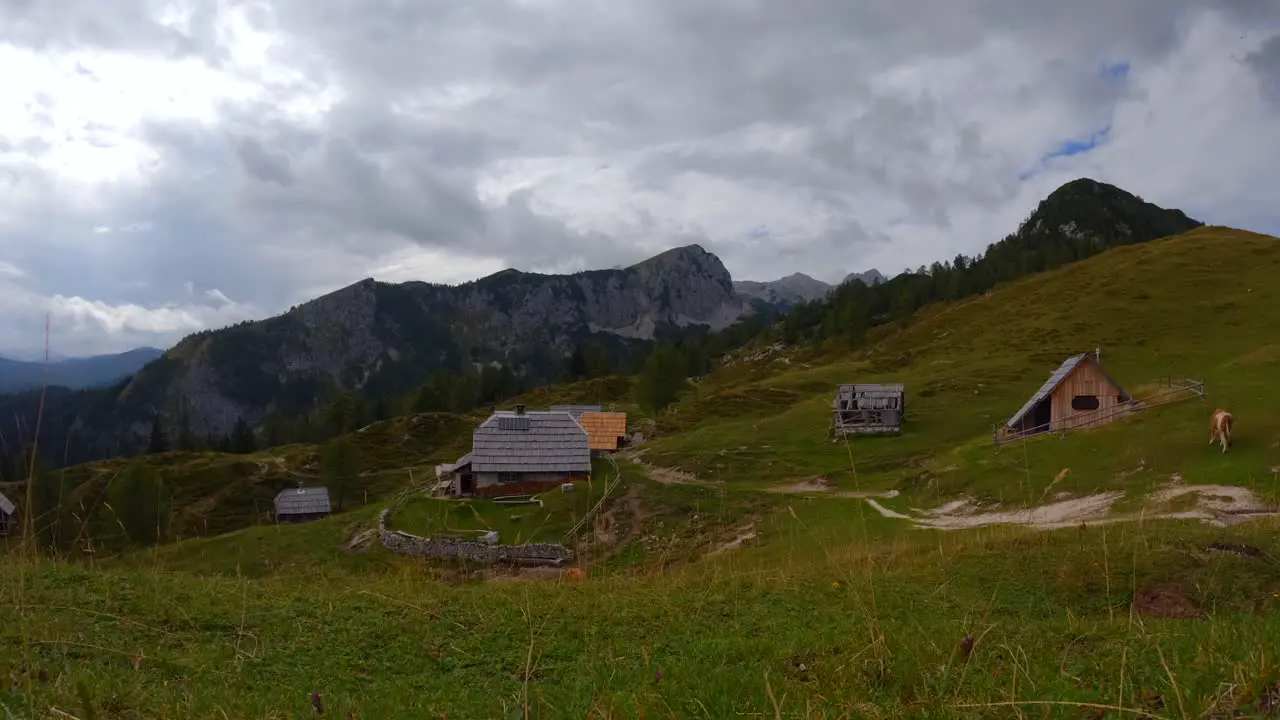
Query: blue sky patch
point(1075, 147)
point(1067, 149)
point(1115, 70)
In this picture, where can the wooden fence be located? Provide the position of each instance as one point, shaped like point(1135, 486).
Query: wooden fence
point(1171, 391)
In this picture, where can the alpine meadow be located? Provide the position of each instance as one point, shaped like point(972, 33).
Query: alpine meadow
point(736, 559)
point(517, 360)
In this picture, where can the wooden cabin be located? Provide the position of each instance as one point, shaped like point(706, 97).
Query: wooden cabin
point(516, 453)
point(1079, 394)
point(868, 409)
point(302, 504)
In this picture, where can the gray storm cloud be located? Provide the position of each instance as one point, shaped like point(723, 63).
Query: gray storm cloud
point(278, 149)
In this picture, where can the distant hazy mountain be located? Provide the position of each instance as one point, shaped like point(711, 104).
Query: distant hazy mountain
point(798, 287)
point(870, 277)
point(790, 290)
point(74, 373)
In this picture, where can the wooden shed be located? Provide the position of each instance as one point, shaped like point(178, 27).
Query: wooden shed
point(605, 430)
point(302, 504)
point(868, 409)
point(1079, 394)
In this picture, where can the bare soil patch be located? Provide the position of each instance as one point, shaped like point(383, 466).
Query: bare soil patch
point(1246, 551)
point(1165, 601)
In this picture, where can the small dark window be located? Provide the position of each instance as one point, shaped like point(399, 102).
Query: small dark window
point(508, 477)
point(1084, 402)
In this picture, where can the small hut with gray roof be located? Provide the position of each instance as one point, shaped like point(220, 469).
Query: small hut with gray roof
point(518, 452)
point(1079, 394)
point(8, 517)
point(301, 504)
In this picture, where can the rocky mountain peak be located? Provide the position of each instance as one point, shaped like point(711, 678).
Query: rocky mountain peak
point(690, 260)
point(1088, 211)
point(870, 277)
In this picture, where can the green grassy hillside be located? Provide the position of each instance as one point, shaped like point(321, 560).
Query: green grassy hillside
point(1202, 305)
point(718, 588)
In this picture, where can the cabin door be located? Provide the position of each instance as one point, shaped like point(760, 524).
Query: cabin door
point(1042, 416)
point(468, 484)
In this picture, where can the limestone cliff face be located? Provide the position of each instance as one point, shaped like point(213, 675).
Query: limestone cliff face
point(380, 337)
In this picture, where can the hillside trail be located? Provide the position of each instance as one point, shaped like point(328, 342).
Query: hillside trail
point(1219, 505)
point(666, 475)
point(818, 485)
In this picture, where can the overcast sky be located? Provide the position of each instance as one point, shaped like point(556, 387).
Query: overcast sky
point(166, 167)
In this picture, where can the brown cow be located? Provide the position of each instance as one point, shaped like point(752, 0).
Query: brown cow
point(1220, 428)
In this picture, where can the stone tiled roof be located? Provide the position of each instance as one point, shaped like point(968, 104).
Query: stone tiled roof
point(530, 442)
point(302, 501)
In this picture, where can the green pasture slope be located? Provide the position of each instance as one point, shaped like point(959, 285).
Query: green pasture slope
point(1203, 305)
point(822, 608)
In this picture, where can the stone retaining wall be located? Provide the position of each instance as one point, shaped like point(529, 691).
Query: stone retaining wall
point(449, 548)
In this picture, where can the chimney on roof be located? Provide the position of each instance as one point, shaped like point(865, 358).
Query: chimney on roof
point(519, 409)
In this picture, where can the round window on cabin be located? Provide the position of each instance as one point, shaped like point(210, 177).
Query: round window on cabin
point(1084, 402)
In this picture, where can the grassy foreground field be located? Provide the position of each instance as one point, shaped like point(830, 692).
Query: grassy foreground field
point(993, 623)
point(712, 594)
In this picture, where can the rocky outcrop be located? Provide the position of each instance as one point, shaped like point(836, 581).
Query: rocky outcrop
point(1089, 216)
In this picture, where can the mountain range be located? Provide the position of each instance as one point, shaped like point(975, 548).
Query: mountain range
point(799, 288)
point(74, 373)
point(381, 340)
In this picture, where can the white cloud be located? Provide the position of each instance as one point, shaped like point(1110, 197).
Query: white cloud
point(127, 325)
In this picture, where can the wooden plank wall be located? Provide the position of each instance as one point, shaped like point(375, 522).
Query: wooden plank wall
point(1087, 379)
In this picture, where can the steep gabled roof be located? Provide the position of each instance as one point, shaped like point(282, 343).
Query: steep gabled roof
point(302, 501)
point(531, 442)
point(604, 429)
point(1064, 371)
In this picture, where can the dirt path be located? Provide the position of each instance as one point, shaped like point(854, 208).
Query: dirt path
point(1219, 505)
point(819, 485)
point(665, 475)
